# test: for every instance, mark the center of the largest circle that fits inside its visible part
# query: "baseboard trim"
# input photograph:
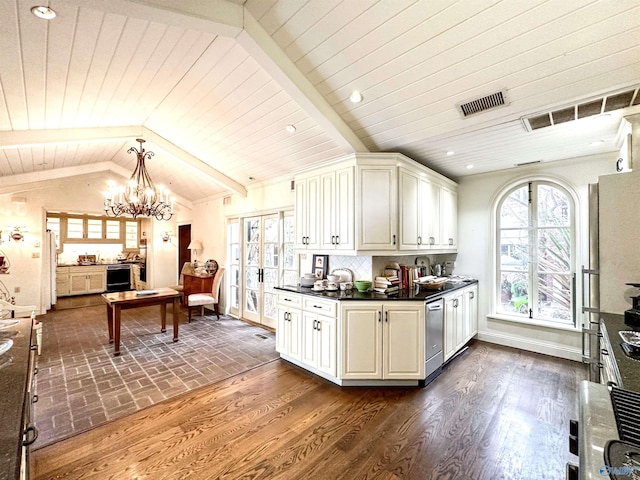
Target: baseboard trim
(532, 345)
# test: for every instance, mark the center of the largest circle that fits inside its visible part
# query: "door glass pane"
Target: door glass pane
(289, 267)
(233, 235)
(252, 302)
(270, 309)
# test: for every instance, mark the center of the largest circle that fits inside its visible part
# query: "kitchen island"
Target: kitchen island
(368, 338)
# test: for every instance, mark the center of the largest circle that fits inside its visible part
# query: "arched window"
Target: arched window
(536, 256)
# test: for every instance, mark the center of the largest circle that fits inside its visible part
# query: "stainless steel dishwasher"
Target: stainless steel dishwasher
(434, 357)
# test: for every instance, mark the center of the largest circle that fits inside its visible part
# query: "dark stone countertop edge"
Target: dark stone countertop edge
(629, 368)
(13, 378)
(417, 294)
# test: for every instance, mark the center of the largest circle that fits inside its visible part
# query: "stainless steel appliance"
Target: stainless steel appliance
(118, 278)
(607, 416)
(434, 357)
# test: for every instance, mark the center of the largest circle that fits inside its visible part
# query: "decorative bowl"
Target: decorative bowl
(334, 278)
(362, 285)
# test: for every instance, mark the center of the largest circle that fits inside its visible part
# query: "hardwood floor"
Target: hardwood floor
(495, 413)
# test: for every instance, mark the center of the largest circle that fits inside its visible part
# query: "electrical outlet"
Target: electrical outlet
(36, 244)
(16, 290)
(35, 255)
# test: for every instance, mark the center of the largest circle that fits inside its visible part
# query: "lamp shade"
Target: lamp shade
(195, 245)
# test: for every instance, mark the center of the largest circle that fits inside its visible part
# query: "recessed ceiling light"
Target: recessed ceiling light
(43, 12)
(596, 143)
(290, 128)
(355, 97)
(450, 152)
(469, 167)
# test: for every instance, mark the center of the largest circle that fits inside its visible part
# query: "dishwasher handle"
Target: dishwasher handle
(434, 306)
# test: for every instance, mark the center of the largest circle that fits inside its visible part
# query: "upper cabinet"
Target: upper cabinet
(380, 203)
(337, 209)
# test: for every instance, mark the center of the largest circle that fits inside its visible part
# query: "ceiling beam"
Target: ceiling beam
(30, 138)
(175, 151)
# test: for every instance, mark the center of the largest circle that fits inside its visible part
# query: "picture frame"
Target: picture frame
(320, 266)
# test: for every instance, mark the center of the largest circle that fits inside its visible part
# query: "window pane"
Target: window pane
(554, 297)
(553, 207)
(131, 232)
(514, 296)
(75, 228)
(53, 224)
(514, 250)
(515, 209)
(94, 228)
(554, 250)
(113, 229)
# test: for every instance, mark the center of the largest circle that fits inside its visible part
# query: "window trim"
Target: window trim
(576, 247)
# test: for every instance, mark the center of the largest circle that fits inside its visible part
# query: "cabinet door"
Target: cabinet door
(470, 312)
(344, 209)
(409, 185)
(309, 343)
(450, 325)
(430, 214)
(326, 344)
(403, 341)
(327, 211)
(307, 206)
(96, 282)
(449, 218)
(288, 339)
(77, 283)
(361, 341)
(377, 207)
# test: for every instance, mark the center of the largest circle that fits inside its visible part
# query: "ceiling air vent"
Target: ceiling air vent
(584, 108)
(488, 102)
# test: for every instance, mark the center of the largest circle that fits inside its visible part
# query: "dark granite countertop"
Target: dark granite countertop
(13, 378)
(629, 368)
(418, 294)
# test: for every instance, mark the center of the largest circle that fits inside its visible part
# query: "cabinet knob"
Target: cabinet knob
(379, 316)
(419, 240)
(394, 239)
(432, 241)
(337, 239)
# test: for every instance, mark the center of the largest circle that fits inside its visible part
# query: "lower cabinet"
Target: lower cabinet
(288, 324)
(80, 280)
(460, 319)
(382, 341)
(319, 342)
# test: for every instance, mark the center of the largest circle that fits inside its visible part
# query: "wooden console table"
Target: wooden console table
(118, 301)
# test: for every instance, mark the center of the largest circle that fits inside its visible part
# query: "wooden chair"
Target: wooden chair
(208, 294)
(188, 269)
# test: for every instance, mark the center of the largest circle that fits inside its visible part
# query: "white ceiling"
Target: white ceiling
(211, 85)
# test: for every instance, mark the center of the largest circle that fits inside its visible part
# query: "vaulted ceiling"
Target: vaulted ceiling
(212, 85)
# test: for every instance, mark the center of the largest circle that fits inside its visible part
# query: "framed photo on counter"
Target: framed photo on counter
(320, 265)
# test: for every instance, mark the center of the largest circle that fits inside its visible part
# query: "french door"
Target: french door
(261, 267)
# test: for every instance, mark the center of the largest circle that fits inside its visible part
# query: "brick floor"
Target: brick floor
(81, 384)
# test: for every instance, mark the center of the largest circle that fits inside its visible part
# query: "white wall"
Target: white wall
(476, 198)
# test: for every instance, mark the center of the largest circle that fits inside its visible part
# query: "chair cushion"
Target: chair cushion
(197, 299)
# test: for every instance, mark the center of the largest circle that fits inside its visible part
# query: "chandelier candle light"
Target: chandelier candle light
(140, 196)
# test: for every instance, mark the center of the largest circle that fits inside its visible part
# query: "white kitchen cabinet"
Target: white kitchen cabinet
(319, 342)
(337, 226)
(307, 207)
(288, 325)
(382, 341)
(460, 319)
(84, 280)
(419, 211)
(377, 211)
(449, 218)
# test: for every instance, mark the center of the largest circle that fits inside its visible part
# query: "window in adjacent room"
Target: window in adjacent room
(535, 264)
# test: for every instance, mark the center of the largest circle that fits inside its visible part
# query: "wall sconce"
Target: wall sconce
(166, 236)
(17, 233)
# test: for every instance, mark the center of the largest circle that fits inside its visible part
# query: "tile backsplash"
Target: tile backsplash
(361, 266)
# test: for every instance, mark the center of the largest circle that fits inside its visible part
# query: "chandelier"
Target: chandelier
(139, 196)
